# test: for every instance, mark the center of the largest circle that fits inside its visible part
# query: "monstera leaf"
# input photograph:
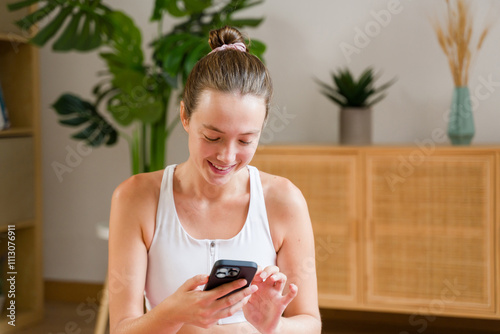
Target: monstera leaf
(179, 8)
(86, 29)
(76, 112)
(134, 98)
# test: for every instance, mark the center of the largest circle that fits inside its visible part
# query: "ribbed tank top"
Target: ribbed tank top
(175, 256)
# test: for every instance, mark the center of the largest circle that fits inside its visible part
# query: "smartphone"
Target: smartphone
(225, 271)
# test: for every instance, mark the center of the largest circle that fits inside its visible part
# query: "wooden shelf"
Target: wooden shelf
(18, 225)
(16, 132)
(20, 172)
(12, 38)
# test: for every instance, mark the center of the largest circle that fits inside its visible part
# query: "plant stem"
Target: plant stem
(134, 151)
(144, 158)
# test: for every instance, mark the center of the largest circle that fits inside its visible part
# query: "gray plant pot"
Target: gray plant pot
(355, 126)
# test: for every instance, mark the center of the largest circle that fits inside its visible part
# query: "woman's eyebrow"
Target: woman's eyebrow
(213, 128)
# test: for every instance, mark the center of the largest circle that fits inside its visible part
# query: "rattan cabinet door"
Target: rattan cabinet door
(430, 231)
(328, 183)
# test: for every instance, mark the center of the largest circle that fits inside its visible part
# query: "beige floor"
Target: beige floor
(64, 317)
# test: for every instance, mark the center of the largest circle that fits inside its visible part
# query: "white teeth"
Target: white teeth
(220, 168)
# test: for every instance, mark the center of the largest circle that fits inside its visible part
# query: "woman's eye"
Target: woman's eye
(245, 142)
(210, 139)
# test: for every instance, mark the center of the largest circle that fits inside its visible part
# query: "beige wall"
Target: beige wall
(304, 41)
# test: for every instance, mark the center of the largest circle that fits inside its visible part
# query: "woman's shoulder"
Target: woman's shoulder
(134, 204)
(139, 187)
(280, 192)
(286, 208)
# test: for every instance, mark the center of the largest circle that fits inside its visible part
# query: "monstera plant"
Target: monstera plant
(131, 93)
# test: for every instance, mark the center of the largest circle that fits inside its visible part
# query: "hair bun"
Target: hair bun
(225, 35)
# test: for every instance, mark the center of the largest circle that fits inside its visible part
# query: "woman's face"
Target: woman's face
(224, 131)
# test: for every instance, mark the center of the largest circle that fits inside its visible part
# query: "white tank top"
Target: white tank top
(175, 256)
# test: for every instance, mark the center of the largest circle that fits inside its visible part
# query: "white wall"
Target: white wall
(304, 41)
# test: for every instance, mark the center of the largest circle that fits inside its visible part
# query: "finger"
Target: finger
(194, 282)
(234, 307)
(277, 281)
(292, 293)
(257, 278)
(268, 271)
(224, 289)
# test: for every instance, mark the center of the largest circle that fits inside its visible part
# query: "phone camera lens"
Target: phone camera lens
(233, 272)
(221, 273)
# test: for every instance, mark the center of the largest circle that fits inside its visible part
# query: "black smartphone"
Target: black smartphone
(225, 271)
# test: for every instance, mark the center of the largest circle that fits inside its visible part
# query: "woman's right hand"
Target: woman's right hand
(204, 308)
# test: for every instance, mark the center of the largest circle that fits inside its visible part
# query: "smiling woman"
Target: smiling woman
(168, 228)
(223, 133)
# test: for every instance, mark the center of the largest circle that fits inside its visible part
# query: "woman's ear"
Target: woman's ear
(184, 117)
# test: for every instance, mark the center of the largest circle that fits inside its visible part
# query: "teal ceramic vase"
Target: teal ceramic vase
(461, 121)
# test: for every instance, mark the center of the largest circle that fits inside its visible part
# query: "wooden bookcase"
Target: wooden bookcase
(20, 176)
(401, 229)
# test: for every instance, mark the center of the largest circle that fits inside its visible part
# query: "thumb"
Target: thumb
(194, 282)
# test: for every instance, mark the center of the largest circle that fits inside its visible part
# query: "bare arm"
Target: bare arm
(131, 207)
(291, 228)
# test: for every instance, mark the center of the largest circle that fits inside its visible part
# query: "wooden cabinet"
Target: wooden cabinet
(401, 229)
(20, 179)
(333, 209)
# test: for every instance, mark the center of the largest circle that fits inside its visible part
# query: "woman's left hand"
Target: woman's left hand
(267, 304)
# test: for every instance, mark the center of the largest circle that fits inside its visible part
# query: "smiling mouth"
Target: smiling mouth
(220, 167)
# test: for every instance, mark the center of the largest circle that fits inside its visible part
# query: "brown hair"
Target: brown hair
(228, 70)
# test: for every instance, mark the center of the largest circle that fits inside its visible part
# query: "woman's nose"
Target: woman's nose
(226, 153)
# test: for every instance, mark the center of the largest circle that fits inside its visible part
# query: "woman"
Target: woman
(167, 228)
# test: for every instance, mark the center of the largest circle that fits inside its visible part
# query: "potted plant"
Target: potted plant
(135, 92)
(355, 98)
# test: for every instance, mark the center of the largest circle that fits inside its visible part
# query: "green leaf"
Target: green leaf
(87, 132)
(257, 48)
(194, 55)
(174, 10)
(126, 41)
(237, 5)
(112, 138)
(29, 20)
(67, 39)
(96, 139)
(376, 100)
(337, 99)
(82, 43)
(197, 6)
(239, 23)
(120, 110)
(69, 104)
(126, 108)
(95, 25)
(355, 92)
(159, 7)
(74, 121)
(129, 81)
(51, 29)
(173, 61)
(75, 112)
(21, 4)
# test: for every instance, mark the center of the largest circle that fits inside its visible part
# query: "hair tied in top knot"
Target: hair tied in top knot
(235, 46)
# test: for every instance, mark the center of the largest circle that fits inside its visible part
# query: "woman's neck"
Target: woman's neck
(189, 181)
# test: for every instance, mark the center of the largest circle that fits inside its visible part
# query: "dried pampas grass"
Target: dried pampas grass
(455, 36)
